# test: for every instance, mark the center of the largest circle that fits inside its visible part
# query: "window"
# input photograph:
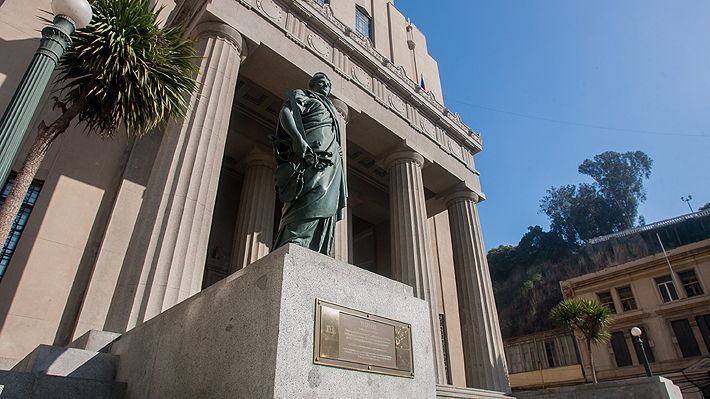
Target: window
(686, 340)
(646, 347)
(627, 299)
(667, 289)
(442, 326)
(704, 325)
(690, 283)
(363, 25)
(20, 221)
(621, 349)
(550, 353)
(606, 299)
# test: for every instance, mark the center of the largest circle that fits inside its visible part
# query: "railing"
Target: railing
(651, 226)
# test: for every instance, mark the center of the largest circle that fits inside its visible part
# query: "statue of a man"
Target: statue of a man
(310, 176)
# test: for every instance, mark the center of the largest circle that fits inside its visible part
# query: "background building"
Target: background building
(121, 231)
(667, 298)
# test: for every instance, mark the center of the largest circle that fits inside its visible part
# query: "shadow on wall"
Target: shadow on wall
(17, 55)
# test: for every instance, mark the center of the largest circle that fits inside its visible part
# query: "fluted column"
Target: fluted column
(482, 343)
(412, 260)
(165, 260)
(341, 246)
(255, 223)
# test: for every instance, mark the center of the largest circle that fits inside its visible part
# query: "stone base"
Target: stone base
(634, 388)
(17, 385)
(251, 336)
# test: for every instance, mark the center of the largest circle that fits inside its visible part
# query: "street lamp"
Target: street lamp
(688, 201)
(69, 15)
(636, 332)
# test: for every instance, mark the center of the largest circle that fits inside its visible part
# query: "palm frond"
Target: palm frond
(130, 70)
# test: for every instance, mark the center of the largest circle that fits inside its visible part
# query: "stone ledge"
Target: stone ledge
(450, 391)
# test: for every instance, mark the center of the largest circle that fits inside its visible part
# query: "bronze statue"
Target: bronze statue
(310, 176)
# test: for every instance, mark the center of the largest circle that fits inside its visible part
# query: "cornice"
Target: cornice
(619, 320)
(683, 307)
(637, 266)
(315, 28)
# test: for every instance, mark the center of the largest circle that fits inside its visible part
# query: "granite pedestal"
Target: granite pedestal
(252, 336)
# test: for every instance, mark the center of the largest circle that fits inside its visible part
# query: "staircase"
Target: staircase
(84, 369)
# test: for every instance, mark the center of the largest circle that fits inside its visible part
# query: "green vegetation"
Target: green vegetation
(588, 317)
(610, 204)
(123, 69)
(526, 276)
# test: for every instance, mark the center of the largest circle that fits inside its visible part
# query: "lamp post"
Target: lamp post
(69, 15)
(636, 332)
(688, 202)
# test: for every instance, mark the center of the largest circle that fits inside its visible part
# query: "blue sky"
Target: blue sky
(548, 84)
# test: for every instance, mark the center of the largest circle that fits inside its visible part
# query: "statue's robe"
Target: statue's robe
(314, 195)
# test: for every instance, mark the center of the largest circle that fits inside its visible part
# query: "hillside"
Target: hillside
(526, 292)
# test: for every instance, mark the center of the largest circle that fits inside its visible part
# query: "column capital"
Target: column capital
(219, 29)
(259, 158)
(461, 195)
(342, 108)
(404, 156)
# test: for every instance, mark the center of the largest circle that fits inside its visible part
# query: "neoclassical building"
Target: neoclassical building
(122, 230)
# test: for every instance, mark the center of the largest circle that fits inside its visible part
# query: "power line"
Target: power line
(578, 124)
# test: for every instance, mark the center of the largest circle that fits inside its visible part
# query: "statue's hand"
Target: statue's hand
(304, 151)
(299, 148)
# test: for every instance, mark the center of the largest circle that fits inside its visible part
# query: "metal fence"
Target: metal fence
(662, 223)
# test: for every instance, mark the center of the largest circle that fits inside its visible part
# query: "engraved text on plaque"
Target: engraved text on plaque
(350, 338)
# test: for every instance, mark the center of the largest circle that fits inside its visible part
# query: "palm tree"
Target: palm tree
(588, 317)
(123, 69)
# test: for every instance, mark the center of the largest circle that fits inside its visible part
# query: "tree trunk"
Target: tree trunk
(23, 180)
(591, 360)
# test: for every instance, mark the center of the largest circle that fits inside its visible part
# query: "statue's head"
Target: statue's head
(320, 83)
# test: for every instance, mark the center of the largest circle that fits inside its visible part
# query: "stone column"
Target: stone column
(341, 247)
(482, 343)
(255, 223)
(412, 260)
(165, 260)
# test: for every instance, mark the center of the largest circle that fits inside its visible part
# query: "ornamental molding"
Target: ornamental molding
(313, 26)
(270, 9)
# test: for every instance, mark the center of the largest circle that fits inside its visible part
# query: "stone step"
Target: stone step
(69, 362)
(94, 340)
(450, 391)
(19, 385)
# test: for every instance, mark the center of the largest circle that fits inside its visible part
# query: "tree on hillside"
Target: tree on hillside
(620, 179)
(123, 69)
(535, 246)
(588, 317)
(610, 204)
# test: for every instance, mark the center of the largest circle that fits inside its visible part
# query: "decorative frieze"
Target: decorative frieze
(361, 76)
(379, 90)
(271, 10)
(320, 46)
(354, 58)
(427, 127)
(296, 29)
(397, 104)
(341, 62)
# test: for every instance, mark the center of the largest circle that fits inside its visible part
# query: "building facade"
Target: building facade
(667, 298)
(123, 230)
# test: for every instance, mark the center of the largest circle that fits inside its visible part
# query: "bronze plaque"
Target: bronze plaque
(353, 339)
